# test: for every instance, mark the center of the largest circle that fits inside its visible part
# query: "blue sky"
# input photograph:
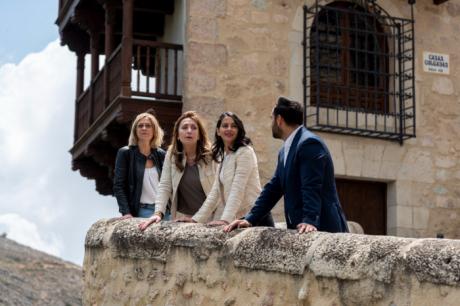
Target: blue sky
(26, 26)
(43, 204)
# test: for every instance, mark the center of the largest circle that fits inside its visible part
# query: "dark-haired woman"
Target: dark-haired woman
(237, 182)
(188, 172)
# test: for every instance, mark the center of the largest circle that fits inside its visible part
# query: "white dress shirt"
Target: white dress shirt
(288, 143)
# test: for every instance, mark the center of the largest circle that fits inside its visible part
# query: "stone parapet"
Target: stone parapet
(191, 264)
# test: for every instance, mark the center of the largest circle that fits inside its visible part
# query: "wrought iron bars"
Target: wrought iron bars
(359, 71)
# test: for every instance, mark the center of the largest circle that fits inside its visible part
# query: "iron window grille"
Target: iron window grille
(359, 70)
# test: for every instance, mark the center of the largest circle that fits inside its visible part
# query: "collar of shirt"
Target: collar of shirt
(288, 143)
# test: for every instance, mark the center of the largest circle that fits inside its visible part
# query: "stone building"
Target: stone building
(378, 79)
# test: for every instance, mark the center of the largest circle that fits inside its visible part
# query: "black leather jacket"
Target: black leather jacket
(129, 175)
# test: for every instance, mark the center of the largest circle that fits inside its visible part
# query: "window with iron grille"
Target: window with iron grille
(359, 70)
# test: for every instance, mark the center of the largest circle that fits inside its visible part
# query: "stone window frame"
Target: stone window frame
(358, 88)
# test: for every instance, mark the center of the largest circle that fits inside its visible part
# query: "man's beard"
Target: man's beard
(276, 131)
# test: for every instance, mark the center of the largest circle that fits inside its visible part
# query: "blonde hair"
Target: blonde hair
(203, 146)
(158, 133)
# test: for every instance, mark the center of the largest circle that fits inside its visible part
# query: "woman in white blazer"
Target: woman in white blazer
(188, 170)
(237, 182)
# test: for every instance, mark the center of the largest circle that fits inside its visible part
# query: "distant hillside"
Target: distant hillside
(31, 277)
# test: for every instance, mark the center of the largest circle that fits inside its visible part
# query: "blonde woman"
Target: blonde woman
(188, 172)
(138, 168)
(237, 183)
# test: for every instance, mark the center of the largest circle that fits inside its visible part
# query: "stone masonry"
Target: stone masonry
(191, 264)
(240, 55)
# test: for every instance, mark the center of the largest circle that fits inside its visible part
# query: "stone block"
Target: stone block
(295, 37)
(278, 66)
(421, 216)
(208, 55)
(210, 8)
(453, 9)
(457, 175)
(259, 86)
(236, 45)
(389, 170)
(353, 155)
(443, 86)
(404, 216)
(201, 82)
(233, 90)
(442, 175)
(426, 141)
(209, 107)
(249, 64)
(297, 21)
(259, 4)
(391, 194)
(280, 19)
(404, 232)
(392, 217)
(373, 152)
(260, 17)
(335, 148)
(239, 15)
(202, 29)
(443, 202)
(440, 190)
(404, 194)
(393, 152)
(371, 169)
(445, 162)
(417, 166)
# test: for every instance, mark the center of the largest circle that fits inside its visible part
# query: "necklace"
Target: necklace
(190, 160)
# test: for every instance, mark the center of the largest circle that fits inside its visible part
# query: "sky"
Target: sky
(43, 203)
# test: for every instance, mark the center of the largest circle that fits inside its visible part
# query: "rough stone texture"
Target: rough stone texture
(191, 264)
(242, 54)
(30, 277)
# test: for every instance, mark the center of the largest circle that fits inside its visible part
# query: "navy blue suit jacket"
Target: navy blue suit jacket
(308, 185)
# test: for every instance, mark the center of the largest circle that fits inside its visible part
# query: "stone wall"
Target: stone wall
(242, 54)
(191, 264)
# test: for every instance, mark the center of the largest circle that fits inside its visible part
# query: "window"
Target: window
(359, 70)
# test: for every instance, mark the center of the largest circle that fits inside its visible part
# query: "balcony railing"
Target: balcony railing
(156, 73)
(156, 70)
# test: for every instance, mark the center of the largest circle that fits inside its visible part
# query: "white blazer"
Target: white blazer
(239, 189)
(170, 179)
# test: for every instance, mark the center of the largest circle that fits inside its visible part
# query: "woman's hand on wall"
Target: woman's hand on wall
(153, 219)
(185, 219)
(127, 216)
(217, 223)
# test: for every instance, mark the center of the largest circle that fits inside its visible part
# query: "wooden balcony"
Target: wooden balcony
(139, 73)
(103, 114)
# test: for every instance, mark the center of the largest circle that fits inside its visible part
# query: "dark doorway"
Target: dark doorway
(364, 202)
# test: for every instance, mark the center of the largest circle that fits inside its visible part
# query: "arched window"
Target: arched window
(359, 70)
(349, 50)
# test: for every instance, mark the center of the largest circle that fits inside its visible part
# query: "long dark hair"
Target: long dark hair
(240, 141)
(203, 147)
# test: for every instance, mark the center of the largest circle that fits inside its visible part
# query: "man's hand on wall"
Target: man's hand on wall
(305, 228)
(237, 224)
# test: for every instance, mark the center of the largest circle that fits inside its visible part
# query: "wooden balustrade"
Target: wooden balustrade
(113, 67)
(157, 70)
(156, 74)
(83, 110)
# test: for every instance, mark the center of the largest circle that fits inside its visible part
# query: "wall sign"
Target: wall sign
(436, 62)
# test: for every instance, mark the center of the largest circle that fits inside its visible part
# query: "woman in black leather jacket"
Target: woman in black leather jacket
(138, 168)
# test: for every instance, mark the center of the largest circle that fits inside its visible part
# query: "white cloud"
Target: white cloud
(36, 131)
(31, 97)
(26, 232)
